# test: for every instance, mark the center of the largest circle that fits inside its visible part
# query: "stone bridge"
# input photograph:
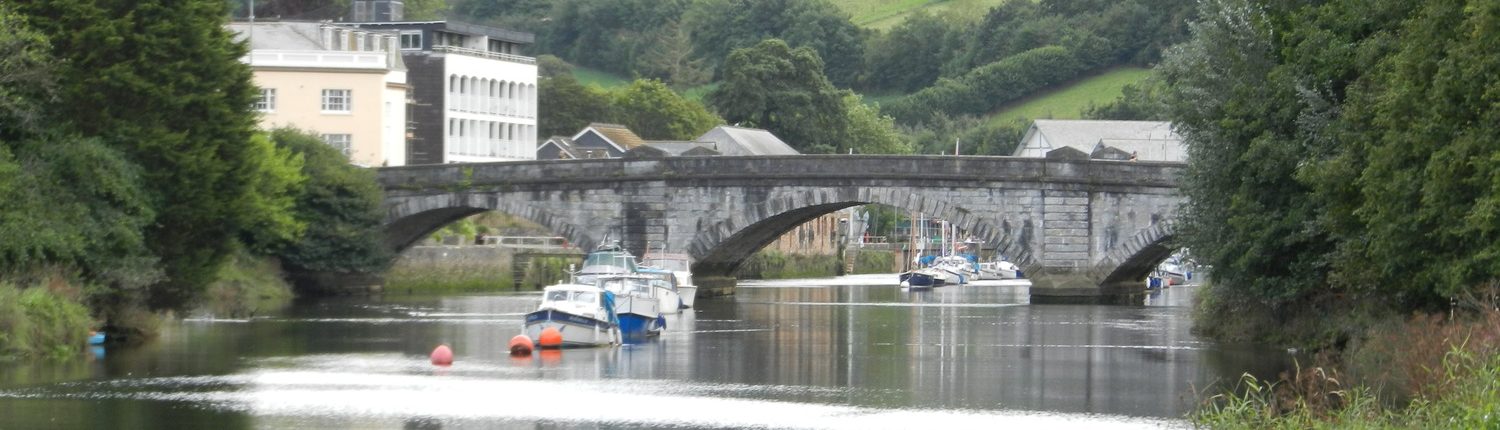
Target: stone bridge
(1081, 229)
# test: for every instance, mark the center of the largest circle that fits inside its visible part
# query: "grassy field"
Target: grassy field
(1068, 102)
(884, 14)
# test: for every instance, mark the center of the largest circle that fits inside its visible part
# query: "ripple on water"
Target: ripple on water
(355, 395)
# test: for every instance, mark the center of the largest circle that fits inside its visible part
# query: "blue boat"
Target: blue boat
(636, 304)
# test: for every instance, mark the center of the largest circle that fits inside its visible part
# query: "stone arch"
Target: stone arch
(413, 218)
(1134, 259)
(720, 248)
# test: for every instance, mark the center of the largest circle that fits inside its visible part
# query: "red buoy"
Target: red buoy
(550, 338)
(520, 345)
(442, 356)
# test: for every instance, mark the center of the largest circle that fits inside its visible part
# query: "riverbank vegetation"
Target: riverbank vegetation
(41, 321)
(134, 176)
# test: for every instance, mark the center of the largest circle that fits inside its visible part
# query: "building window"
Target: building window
(341, 142)
(267, 102)
(336, 100)
(411, 40)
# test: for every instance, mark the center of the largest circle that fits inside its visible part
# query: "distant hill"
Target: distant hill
(1068, 102)
(884, 14)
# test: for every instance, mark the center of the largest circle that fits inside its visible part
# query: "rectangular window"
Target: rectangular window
(267, 102)
(337, 100)
(341, 142)
(411, 40)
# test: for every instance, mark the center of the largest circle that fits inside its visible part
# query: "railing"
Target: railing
(344, 59)
(527, 241)
(484, 54)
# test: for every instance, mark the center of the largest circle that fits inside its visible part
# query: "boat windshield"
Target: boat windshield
(627, 286)
(557, 296)
(669, 264)
(585, 297)
(611, 259)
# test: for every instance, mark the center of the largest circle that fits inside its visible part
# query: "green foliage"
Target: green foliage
(975, 136)
(247, 285)
(25, 75)
(543, 271)
(653, 111)
(1140, 100)
(564, 106)
(276, 177)
(986, 88)
(339, 204)
(773, 264)
(910, 56)
(720, 27)
(162, 82)
(871, 261)
(782, 90)
(37, 321)
(1074, 99)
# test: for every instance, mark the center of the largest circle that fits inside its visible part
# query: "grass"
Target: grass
(38, 321)
(884, 14)
(773, 264)
(1426, 372)
(1068, 102)
(248, 285)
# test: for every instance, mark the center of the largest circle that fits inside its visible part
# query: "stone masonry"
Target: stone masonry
(1080, 228)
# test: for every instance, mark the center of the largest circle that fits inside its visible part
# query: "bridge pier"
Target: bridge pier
(1079, 288)
(714, 286)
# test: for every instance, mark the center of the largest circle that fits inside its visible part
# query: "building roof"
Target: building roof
(1151, 140)
(678, 148)
(458, 27)
(746, 141)
(564, 146)
(619, 136)
(281, 35)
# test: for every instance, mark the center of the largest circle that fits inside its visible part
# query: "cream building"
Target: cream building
(345, 84)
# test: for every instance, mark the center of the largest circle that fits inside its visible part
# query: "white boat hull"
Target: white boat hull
(669, 301)
(576, 330)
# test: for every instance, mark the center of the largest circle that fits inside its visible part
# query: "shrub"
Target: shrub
(37, 321)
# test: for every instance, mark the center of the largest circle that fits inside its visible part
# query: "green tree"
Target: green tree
(653, 111)
(719, 27)
(565, 106)
(162, 82)
(1413, 186)
(339, 204)
(869, 132)
(783, 90)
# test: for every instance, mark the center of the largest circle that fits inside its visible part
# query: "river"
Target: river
(851, 352)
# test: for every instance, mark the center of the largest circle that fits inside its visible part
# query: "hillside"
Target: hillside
(1068, 102)
(884, 14)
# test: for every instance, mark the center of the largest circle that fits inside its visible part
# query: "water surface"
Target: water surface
(850, 352)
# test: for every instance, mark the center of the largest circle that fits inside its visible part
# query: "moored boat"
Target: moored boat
(665, 284)
(606, 260)
(583, 314)
(636, 304)
(921, 279)
(681, 267)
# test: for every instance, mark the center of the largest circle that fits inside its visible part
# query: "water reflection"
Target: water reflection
(794, 354)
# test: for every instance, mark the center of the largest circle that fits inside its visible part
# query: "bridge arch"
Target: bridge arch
(414, 219)
(723, 246)
(1133, 260)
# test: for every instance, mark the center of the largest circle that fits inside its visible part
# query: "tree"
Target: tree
(339, 204)
(566, 106)
(654, 111)
(782, 90)
(719, 27)
(162, 82)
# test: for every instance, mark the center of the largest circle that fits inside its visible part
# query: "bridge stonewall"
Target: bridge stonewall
(1083, 230)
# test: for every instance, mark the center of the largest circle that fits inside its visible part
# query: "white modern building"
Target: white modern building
(346, 84)
(474, 94)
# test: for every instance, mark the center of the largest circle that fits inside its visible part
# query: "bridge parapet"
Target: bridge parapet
(1060, 219)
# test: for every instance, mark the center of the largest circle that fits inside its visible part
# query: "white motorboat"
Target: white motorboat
(605, 260)
(681, 266)
(636, 305)
(583, 314)
(1001, 269)
(665, 284)
(958, 265)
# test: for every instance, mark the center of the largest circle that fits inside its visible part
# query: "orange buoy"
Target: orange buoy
(442, 356)
(520, 345)
(550, 338)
